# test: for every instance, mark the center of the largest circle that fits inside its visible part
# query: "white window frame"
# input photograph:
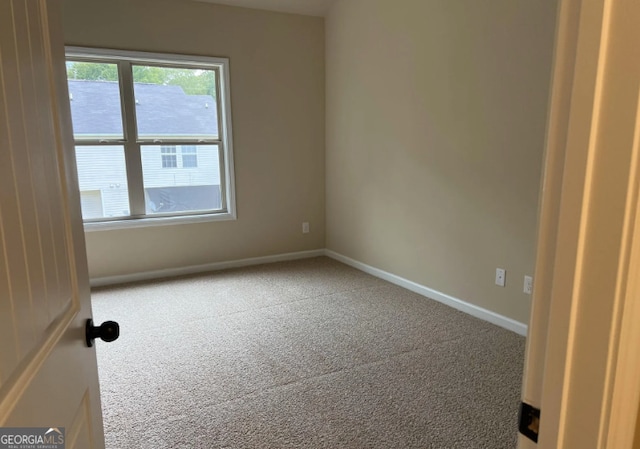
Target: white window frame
(132, 144)
(165, 155)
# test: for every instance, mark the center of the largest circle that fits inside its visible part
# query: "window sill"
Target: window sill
(156, 221)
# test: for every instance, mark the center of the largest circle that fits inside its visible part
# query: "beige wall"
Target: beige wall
(435, 129)
(436, 117)
(277, 90)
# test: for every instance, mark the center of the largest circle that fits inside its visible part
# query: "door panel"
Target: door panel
(48, 377)
(79, 435)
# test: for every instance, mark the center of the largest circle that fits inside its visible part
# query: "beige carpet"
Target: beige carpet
(303, 354)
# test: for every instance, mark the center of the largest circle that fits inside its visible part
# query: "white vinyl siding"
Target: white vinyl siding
(102, 169)
(157, 175)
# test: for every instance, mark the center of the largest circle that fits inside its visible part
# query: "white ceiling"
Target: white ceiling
(306, 7)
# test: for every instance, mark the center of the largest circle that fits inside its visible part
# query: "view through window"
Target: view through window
(152, 135)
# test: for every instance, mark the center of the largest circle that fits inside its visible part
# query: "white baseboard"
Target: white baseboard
(456, 303)
(193, 269)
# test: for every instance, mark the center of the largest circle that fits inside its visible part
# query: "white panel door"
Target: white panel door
(48, 376)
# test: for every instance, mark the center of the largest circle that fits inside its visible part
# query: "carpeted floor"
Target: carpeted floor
(302, 354)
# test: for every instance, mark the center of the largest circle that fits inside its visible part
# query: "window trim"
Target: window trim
(125, 59)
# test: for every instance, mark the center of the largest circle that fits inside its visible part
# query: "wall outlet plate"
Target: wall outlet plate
(528, 285)
(305, 227)
(501, 277)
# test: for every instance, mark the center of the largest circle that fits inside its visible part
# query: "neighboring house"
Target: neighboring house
(176, 177)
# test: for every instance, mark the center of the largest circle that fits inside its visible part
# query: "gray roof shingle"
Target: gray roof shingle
(160, 110)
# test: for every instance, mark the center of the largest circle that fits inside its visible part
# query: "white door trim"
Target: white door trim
(582, 358)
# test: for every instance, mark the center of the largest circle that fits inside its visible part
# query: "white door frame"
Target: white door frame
(582, 366)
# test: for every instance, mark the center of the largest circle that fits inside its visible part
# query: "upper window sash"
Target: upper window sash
(125, 60)
(167, 60)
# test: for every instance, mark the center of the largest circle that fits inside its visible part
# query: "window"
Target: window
(152, 135)
(189, 156)
(169, 158)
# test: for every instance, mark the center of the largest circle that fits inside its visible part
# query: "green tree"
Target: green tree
(92, 71)
(192, 81)
(149, 75)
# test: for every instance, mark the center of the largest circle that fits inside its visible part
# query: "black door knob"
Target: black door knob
(107, 331)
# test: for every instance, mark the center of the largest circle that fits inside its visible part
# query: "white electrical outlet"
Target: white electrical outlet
(528, 285)
(305, 227)
(501, 277)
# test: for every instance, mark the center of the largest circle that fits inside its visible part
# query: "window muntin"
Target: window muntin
(195, 86)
